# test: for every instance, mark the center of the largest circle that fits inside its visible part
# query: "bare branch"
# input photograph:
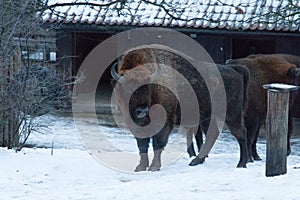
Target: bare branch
(28, 87)
(87, 3)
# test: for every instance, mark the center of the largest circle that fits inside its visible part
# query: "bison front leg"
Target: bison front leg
(144, 163)
(143, 145)
(156, 162)
(159, 142)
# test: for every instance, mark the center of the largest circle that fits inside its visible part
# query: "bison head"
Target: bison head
(294, 72)
(135, 85)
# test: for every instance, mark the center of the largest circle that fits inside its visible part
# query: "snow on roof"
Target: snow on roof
(228, 14)
(281, 86)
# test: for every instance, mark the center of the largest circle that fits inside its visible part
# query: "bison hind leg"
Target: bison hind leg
(190, 132)
(191, 150)
(255, 155)
(189, 141)
(257, 158)
(238, 130)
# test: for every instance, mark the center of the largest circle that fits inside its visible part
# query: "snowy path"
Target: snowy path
(72, 173)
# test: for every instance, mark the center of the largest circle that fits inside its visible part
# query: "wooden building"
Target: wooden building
(225, 28)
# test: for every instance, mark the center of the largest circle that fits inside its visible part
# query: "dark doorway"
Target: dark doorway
(244, 47)
(84, 44)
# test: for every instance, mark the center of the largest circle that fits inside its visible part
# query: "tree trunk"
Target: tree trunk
(9, 135)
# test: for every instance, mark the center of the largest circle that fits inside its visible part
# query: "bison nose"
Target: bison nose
(141, 111)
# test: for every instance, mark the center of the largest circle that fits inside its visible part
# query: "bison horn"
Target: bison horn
(114, 73)
(156, 73)
(228, 61)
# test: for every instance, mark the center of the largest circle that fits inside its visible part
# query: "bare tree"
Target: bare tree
(28, 86)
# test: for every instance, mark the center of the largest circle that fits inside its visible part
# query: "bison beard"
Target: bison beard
(235, 80)
(265, 69)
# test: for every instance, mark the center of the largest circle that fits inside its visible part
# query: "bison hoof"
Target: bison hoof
(241, 165)
(257, 158)
(154, 168)
(250, 160)
(197, 161)
(140, 168)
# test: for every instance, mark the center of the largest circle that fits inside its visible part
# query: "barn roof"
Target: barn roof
(268, 15)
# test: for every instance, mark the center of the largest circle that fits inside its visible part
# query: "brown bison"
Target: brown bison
(295, 110)
(265, 69)
(145, 63)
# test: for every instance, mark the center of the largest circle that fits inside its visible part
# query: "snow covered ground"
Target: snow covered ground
(69, 171)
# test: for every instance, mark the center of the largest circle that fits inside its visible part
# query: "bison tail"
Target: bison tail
(246, 78)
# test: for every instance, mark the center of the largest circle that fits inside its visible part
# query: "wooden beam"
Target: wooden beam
(277, 128)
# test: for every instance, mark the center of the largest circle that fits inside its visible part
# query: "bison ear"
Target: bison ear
(293, 72)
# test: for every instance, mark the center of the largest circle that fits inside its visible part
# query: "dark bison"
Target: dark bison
(235, 78)
(265, 69)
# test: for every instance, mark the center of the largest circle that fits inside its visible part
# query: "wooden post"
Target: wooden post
(277, 128)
